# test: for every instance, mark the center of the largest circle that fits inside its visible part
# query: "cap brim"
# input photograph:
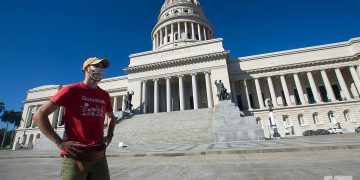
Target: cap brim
(105, 62)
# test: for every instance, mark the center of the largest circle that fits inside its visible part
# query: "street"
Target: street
(305, 165)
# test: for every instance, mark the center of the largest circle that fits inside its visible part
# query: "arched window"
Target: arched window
(347, 115)
(301, 119)
(168, 38)
(331, 116)
(258, 120)
(176, 36)
(176, 11)
(286, 120)
(186, 11)
(316, 118)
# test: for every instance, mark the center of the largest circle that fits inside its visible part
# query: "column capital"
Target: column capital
(193, 74)
(155, 80)
(168, 77)
(207, 72)
(180, 75)
(144, 81)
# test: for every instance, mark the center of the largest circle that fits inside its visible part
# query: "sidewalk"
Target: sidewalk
(313, 143)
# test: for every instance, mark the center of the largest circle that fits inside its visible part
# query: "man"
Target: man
(86, 105)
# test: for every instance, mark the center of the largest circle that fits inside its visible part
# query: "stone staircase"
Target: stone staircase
(191, 126)
(222, 123)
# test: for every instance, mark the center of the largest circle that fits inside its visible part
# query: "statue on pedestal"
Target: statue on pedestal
(222, 91)
(128, 98)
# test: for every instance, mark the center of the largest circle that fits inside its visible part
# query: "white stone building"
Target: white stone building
(311, 88)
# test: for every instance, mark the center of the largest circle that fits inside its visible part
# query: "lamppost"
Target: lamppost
(272, 119)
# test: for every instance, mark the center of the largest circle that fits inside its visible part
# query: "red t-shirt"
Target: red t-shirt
(84, 112)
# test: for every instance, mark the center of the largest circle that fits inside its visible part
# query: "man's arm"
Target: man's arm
(111, 128)
(42, 121)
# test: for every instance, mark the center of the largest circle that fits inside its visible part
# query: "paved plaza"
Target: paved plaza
(301, 158)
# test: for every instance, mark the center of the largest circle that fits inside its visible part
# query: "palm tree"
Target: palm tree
(12, 117)
(15, 119)
(5, 120)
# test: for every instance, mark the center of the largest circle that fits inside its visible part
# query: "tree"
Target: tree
(2, 107)
(12, 117)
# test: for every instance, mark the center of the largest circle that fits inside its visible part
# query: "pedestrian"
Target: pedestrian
(85, 107)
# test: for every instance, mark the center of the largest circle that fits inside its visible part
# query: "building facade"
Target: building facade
(310, 88)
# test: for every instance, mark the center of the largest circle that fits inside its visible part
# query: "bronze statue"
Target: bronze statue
(128, 98)
(222, 91)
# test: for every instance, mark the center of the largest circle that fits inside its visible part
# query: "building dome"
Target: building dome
(181, 22)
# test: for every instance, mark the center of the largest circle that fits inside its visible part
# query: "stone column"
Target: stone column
(342, 84)
(205, 33)
(179, 31)
(286, 90)
(168, 94)
(156, 95)
(272, 92)
(299, 89)
(195, 91)
(172, 33)
(186, 30)
(355, 78)
(156, 40)
(61, 114)
(313, 87)
(199, 32)
(192, 31)
(115, 104)
(259, 94)
(181, 93)
(154, 44)
(328, 87)
(358, 70)
(143, 102)
(123, 104)
(161, 37)
(166, 35)
(208, 90)
(247, 95)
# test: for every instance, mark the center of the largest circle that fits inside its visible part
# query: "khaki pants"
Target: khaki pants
(94, 170)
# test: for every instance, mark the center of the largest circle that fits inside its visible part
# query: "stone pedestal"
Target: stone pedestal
(229, 126)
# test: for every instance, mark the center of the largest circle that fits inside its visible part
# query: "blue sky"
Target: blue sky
(46, 42)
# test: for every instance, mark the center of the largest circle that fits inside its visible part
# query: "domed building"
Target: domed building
(175, 88)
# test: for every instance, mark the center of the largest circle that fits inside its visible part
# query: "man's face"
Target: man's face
(96, 71)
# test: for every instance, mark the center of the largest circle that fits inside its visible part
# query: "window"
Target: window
(297, 97)
(168, 38)
(301, 119)
(189, 36)
(316, 118)
(337, 93)
(331, 116)
(186, 11)
(176, 12)
(258, 121)
(310, 95)
(196, 37)
(251, 99)
(286, 121)
(347, 116)
(323, 94)
(176, 36)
